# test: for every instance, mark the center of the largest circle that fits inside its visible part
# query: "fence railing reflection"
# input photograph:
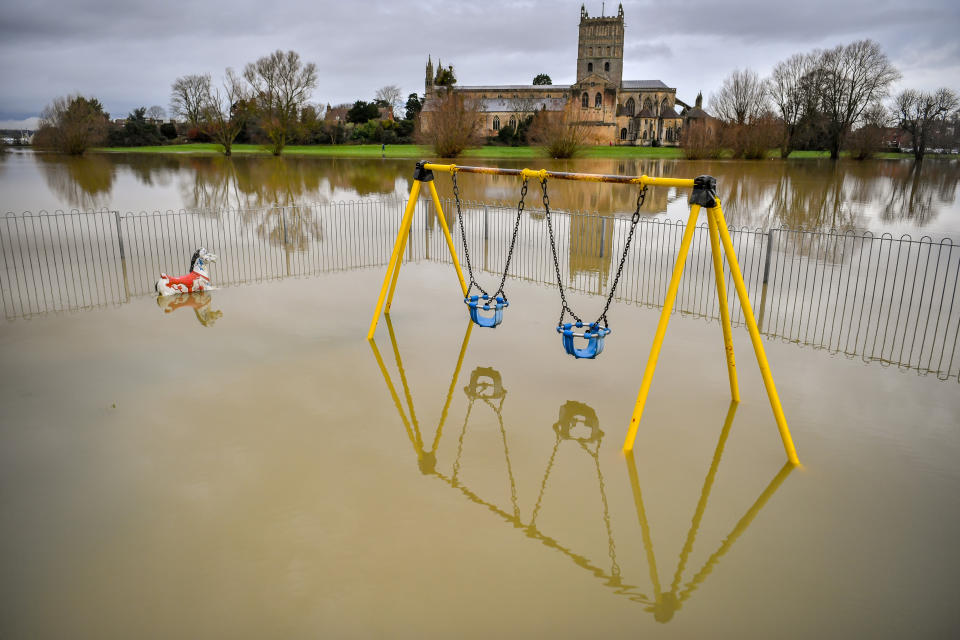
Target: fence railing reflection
(880, 298)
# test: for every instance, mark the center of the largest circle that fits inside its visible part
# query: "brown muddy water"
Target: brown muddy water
(880, 196)
(247, 465)
(244, 464)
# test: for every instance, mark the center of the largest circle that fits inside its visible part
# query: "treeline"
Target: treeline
(269, 103)
(828, 99)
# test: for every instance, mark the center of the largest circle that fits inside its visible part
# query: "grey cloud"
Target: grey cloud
(128, 52)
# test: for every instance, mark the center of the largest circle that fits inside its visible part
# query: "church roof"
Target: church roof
(646, 113)
(668, 112)
(514, 87)
(506, 104)
(696, 112)
(643, 84)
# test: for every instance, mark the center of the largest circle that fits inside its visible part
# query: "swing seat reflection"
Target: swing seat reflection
(577, 422)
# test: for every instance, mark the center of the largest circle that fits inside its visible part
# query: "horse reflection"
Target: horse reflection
(199, 301)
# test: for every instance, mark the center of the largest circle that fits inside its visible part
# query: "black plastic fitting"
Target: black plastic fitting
(704, 191)
(422, 174)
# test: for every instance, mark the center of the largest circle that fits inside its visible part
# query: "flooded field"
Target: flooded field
(880, 196)
(272, 472)
(243, 463)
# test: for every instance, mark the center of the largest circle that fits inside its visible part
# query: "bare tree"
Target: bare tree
(450, 123)
(391, 96)
(225, 111)
(187, 95)
(560, 135)
(741, 99)
(282, 85)
(523, 106)
(156, 112)
(789, 89)
(71, 124)
(855, 77)
(921, 114)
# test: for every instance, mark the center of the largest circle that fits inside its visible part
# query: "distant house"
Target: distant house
(695, 115)
(337, 113)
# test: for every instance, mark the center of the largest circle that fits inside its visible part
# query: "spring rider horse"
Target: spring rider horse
(197, 280)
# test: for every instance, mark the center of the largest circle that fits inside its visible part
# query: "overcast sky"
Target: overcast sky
(127, 52)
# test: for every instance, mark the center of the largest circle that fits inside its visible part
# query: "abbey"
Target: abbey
(612, 110)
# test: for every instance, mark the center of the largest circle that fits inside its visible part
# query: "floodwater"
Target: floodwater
(881, 196)
(245, 464)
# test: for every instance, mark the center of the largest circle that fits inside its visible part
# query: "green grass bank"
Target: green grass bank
(416, 151)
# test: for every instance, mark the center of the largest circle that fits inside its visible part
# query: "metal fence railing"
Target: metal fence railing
(880, 298)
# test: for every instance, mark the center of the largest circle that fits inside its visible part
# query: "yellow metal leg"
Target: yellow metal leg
(717, 213)
(446, 233)
(661, 327)
(405, 235)
(396, 256)
(724, 309)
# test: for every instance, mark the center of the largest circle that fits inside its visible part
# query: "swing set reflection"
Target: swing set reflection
(577, 423)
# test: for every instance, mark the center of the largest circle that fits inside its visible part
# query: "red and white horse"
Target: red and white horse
(197, 280)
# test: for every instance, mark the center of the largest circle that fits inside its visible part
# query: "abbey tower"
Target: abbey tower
(600, 47)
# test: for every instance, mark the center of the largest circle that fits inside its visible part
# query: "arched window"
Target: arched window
(589, 66)
(584, 100)
(513, 122)
(664, 105)
(606, 66)
(647, 104)
(623, 134)
(496, 123)
(598, 101)
(630, 107)
(644, 135)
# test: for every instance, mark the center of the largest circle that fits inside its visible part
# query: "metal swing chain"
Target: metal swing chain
(641, 197)
(565, 308)
(513, 241)
(463, 237)
(466, 249)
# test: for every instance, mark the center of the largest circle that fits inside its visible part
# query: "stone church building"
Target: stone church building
(612, 110)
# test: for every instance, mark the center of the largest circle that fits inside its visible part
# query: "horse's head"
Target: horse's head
(200, 259)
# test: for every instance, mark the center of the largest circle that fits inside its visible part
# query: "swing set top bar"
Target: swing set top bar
(563, 175)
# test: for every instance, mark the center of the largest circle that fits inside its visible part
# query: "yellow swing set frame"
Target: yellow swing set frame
(703, 196)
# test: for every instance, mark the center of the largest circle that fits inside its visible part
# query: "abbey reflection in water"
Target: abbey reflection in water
(577, 427)
(800, 194)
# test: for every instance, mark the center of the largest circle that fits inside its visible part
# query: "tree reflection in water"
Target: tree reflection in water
(806, 194)
(81, 182)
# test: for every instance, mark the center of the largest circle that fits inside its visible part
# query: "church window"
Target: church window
(585, 100)
(644, 135)
(606, 66)
(630, 107)
(513, 122)
(598, 101)
(589, 66)
(496, 123)
(623, 134)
